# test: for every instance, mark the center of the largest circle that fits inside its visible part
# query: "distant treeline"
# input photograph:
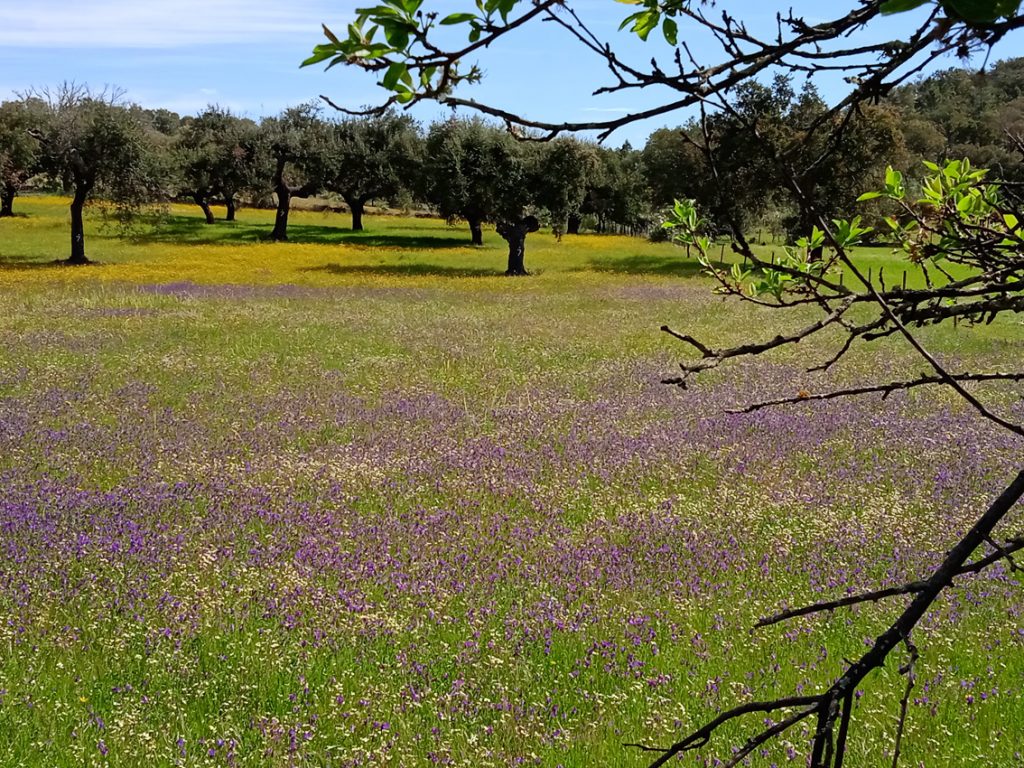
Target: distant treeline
(98, 145)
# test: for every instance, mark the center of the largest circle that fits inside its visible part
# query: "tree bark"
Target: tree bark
(572, 227)
(204, 205)
(356, 206)
(515, 234)
(284, 202)
(475, 230)
(229, 201)
(7, 200)
(78, 226)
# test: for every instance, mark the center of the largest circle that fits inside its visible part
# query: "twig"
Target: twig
(885, 389)
(908, 670)
(912, 587)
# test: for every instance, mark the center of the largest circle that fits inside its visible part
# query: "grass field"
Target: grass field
(358, 500)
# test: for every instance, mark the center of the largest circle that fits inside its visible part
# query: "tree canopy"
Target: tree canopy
(373, 157)
(90, 144)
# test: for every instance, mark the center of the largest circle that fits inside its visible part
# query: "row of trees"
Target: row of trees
(92, 145)
(473, 171)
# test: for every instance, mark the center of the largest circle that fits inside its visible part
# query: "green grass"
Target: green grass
(259, 490)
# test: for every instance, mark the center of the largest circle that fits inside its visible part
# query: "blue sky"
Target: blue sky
(244, 54)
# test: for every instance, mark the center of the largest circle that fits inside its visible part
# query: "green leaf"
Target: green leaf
(320, 53)
(868, 196)
(979, 11)
(900, 6)
(330, 35)
(457, 18)
(505, 8)
(646, 24)
(671, 30)
(397, 34)
(395, 71)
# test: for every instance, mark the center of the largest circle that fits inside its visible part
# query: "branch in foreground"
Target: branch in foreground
(885, 389)
(833, 704)
(911, 587)
(713, 358)
(702, 735)
(908, 670)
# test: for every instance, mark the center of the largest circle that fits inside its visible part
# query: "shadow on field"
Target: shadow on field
(370, 240)
(22, 262)
(648, 265)
(193, 230)
(405, 270)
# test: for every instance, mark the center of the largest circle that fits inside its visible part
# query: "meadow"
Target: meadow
(357, 500)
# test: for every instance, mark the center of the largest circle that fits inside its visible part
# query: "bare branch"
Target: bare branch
(713, 358)
(912, 587)
(908, 670)
(885, 389)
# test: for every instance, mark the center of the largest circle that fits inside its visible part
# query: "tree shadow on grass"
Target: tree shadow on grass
(191, 230)
(24, 262)
(675, 266)
(405, 270)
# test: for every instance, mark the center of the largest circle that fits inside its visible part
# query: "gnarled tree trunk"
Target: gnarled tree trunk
(229, 202)
(285, 193)
(284, 204)
(515, 233)
(572, 227)
(7, 194)
(475, 230)
(204, 205)
(77, 225)
(356, 206)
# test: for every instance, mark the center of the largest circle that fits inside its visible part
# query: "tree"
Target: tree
(371, 158)
(298, 143)
(673, 166)
(93, 145)
(961, 217)
(215, 153)
(19, 152)
(960, 113)
(471, 171)
(617, 192)
(562, 171)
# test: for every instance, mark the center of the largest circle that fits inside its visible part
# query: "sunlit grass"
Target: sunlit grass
(357, 499)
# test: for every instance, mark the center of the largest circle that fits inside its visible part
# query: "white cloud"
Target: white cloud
(160, 23)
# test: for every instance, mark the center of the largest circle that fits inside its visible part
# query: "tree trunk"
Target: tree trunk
(356, 206)
(515, 234)
(807, 222)
(284, 203)
(78, 226)
(475, 230)
(204, 205)
(7, 200)
(573, 225)
(229, 201)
